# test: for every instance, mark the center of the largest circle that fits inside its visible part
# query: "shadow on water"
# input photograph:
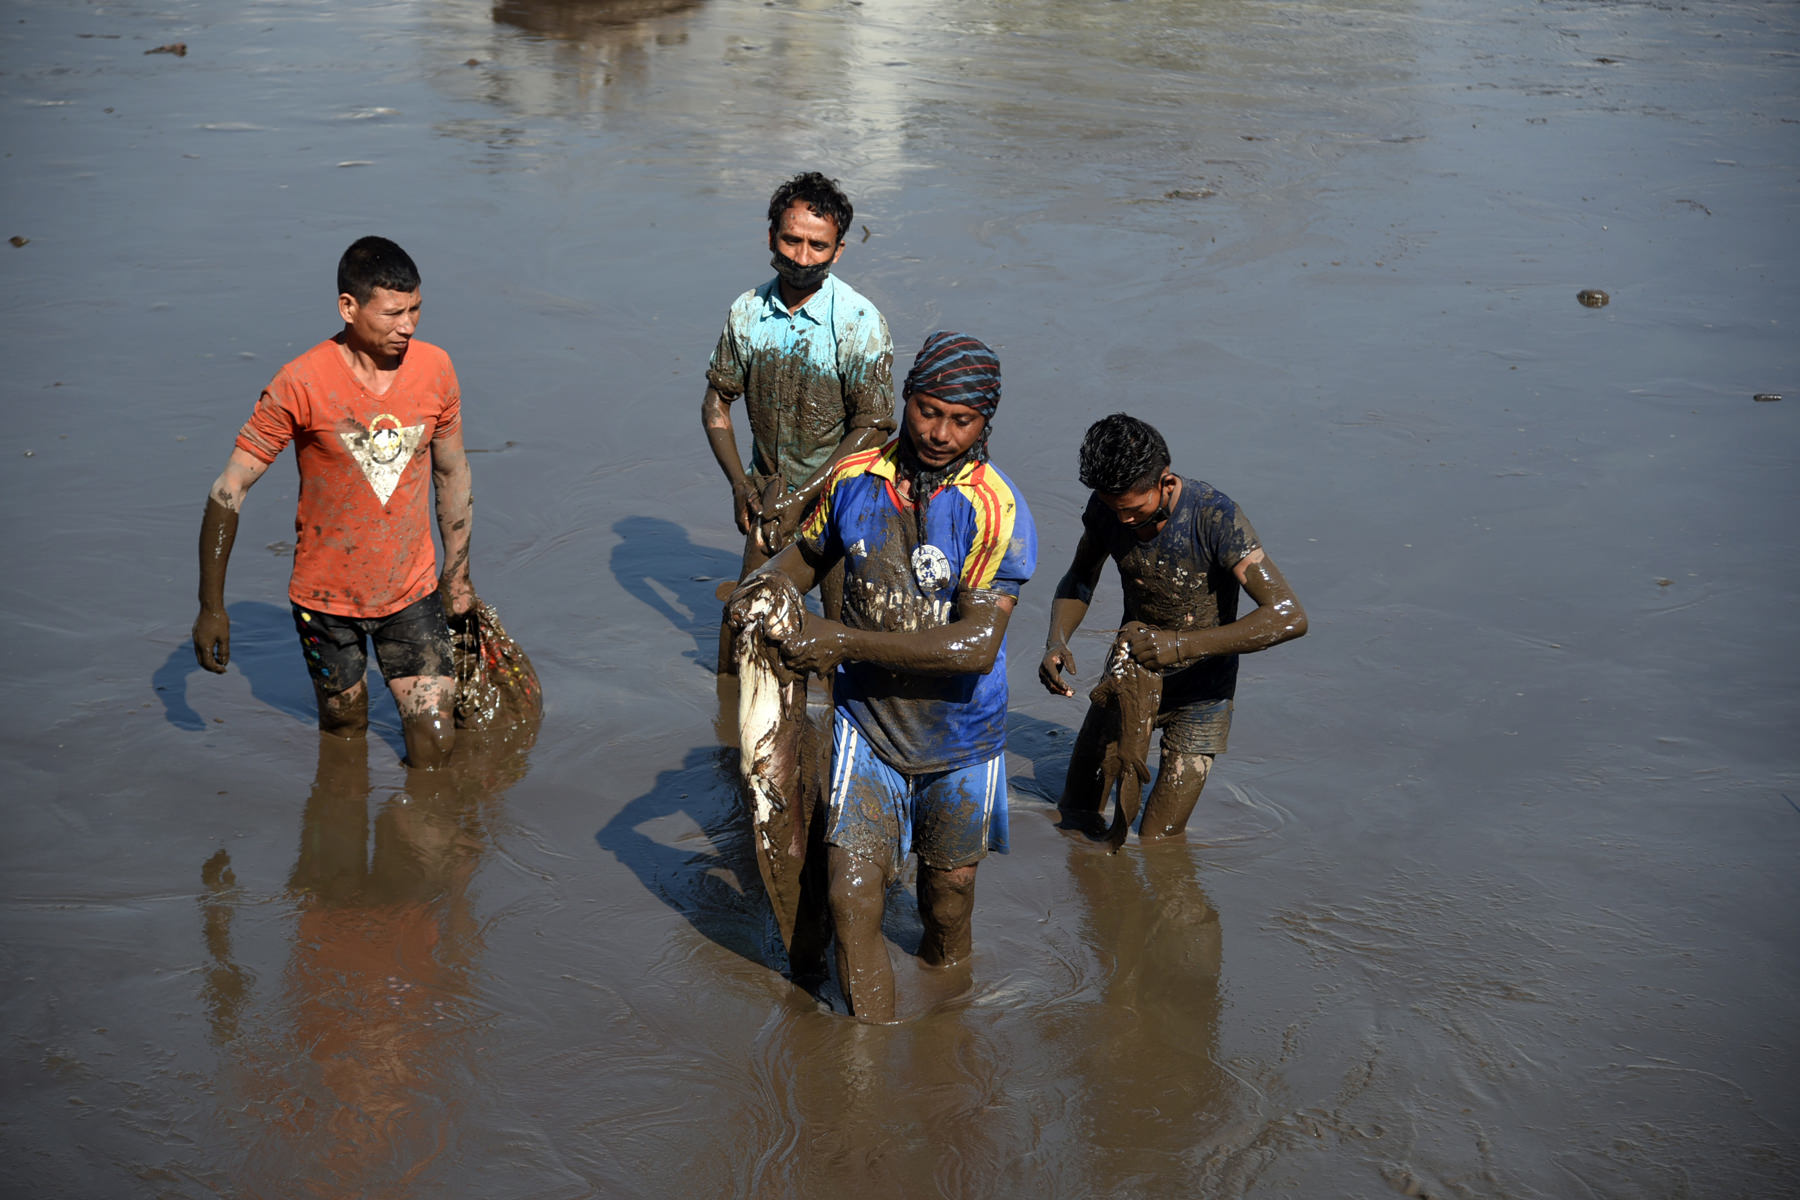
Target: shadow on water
(655, 562)
(352, 1072)
(713, 882)
(265, 649)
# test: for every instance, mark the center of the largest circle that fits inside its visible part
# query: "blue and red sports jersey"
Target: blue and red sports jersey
(979, 536)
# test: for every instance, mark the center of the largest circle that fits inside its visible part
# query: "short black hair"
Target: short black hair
(375, 262)
(1122, 454)
(818, 193)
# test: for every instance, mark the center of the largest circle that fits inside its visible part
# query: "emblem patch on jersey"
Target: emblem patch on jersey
(930, 567)
(383, 450)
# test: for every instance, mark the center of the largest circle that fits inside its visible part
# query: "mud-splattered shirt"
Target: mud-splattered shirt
(807, 377)
(979, 536)
(362, 545)
(1181, 578)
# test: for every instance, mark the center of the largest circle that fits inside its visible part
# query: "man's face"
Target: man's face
(806, 237)
(384, 324)
(940, 432)
(1141, 511)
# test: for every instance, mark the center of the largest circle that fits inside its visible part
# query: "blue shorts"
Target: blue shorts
(952, 818)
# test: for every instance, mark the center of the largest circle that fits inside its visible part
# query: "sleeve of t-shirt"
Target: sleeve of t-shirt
(450, 416)
(1227, 535)
(279, 414)
(818, 533)
(725, 372)
(1004, 552)
(866, 372)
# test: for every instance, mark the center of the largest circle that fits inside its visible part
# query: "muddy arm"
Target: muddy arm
(218, 530)
(968, 644)
(1278, 618)
(454, 483)
(791, 508)
(796, 563)
(715, 417)
(1074, 592)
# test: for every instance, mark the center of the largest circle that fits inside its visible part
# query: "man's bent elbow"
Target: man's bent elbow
(1294, 624)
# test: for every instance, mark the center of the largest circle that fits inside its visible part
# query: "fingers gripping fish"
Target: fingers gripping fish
(1130, 694)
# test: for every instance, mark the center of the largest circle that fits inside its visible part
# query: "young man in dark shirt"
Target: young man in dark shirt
(1184, 551)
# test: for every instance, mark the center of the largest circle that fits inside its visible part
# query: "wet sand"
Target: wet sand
(1494, 895)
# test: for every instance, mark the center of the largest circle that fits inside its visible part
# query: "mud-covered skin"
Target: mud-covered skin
(856, 887)
(780, 767)
(1128, 694)
(374, 350)
(1190, 644)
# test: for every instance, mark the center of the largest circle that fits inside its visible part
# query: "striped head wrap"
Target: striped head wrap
(957, 369)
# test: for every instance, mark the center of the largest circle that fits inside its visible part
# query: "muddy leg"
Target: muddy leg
(946, 903)
(1179, 779)
(1084, 789)
(858, 890)
(344, 714)
(427, 706)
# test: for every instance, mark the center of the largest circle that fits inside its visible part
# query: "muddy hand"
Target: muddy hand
(746, 505)
(769, 600)
(819, 646)
(457, 596)
(1057, 659)
(212, 639)
(1158, 649)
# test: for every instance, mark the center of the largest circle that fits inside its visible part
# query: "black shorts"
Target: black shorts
(413, 641)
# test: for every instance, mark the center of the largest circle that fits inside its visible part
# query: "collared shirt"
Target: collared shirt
(808, 376)
(979, 536)
(1182, 578)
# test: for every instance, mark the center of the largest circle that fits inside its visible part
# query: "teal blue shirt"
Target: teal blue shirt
(808, 377)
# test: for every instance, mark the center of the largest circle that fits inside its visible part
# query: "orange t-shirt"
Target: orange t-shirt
(362, 545)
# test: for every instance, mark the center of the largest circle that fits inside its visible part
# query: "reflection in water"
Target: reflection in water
(356, 1083)
(1156, 1092)
(584, 20)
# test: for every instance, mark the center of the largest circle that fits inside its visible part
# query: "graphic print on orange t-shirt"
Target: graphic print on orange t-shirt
(383, 450)
(362, 545)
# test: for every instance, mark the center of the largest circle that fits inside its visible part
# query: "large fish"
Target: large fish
(1130, 694)
(779, 764)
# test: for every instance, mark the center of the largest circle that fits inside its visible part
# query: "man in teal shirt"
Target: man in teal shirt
(813, 362)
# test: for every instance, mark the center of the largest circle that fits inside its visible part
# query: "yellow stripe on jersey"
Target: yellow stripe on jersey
(848, 466)
(995, 511)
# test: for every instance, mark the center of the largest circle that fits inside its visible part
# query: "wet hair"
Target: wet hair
(1122, 454)
(818, 193)
(375, 262)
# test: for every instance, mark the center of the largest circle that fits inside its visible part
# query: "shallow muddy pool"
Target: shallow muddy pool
(1494, 895)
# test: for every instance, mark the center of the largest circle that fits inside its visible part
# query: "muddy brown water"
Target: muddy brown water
(1495, 894)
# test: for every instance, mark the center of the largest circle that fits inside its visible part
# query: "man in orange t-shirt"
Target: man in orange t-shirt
(375, 418)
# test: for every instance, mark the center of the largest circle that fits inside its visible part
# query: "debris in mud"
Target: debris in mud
(17, 240)
(1608, 61)
(471, 62)
(866, 234)
(504, 446)
(178, 49)
(281, 547)
(1190, 194)
(1593, 298)
(1766, 397)
(1665, 583)
(1696, 204)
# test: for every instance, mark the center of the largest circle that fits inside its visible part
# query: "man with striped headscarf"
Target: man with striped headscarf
(936, 544)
